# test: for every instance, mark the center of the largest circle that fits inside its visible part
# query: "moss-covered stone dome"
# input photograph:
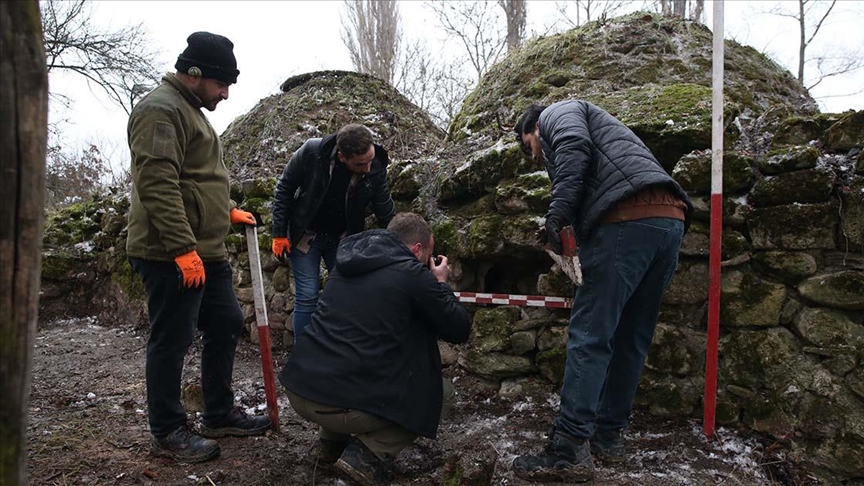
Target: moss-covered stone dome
(650, 71)
(259, 143)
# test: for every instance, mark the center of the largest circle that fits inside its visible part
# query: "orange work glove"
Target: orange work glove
(241, 217)
(191, 269)
(281, 248)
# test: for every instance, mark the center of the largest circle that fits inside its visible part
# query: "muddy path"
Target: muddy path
(88, 425)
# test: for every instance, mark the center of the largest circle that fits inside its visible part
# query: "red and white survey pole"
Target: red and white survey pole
(716, 237)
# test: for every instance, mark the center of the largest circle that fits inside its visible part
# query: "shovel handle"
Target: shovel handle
(568, 241)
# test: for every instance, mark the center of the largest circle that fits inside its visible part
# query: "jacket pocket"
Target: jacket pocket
(194, 207)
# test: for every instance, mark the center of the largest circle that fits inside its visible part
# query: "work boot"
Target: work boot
(184, 446)
(564, 459)
(235, 423)
(362, 465)
(608, 445)
(326, 452)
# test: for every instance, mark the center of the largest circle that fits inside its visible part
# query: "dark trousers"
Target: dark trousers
(174, 315)
(625, 267)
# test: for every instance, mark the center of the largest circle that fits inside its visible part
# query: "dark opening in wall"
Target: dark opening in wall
(514, 276)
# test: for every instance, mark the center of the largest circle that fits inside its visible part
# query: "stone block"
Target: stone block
(800, 186)
(788, 159)
(841, 290)
(787, 266)
(522, 342)
(748, 300)
(492, 328)
(496, 366)
(794, 227)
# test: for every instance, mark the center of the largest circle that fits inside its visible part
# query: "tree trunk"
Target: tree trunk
(516, 12)
(666, 7)
(698, 8)
(803, 42)
(679, 8)
(23, 132)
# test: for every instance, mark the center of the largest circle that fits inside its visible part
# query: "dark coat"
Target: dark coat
(594, 161)
(372, 344)
(304, 183)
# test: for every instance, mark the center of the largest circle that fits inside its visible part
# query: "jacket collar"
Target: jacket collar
(175, 83)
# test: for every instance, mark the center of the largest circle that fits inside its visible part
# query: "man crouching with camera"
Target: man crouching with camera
(367, 369)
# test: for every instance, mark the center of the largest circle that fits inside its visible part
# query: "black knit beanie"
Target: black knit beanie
(209, 56)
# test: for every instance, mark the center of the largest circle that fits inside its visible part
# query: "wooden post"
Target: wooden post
(716, 231)
(23, 135)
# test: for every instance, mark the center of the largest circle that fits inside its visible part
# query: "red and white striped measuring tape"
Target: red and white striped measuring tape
(514, 299)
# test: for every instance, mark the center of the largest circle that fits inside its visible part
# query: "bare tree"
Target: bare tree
(23, 121)
(120, 62)
(516, 13)
(810, 17)
(476, 25)
(371, 32)
(680, 8)
(588, 10)
(434, 84)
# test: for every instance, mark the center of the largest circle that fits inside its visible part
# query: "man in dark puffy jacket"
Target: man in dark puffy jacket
(322, 196)
(630, 217)
(367, 369)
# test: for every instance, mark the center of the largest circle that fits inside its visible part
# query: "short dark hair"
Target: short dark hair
(411, 228)
(527, 124)
(353, 139)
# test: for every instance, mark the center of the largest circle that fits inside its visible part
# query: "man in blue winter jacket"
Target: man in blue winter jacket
(629, 216)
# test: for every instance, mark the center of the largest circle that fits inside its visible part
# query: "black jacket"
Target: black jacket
(372, 344)
(594, 161)
(304, 183)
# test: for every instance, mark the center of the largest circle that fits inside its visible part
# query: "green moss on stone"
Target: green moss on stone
(747, 300)
(444, 230)
(693, 172)
(841, 290)
(788, 159)
(57, 265)
(800, 186)
(846, 133)
(263, 188)
(790, 267)
(492, 328)
(551, 364)
(793, 226)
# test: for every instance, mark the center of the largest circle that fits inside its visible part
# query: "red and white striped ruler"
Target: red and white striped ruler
(512, 299)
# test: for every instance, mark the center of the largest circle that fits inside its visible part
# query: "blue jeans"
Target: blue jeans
(174, 315)
(625, 267)
(307, 277)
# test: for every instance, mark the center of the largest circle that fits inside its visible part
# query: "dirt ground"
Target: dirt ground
(88, 425)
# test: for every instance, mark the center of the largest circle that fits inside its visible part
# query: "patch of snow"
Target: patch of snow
(522, 406)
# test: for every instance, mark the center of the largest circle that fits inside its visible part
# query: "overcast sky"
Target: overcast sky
(276, 40)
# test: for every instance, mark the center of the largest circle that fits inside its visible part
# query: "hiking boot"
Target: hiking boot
(362, 465)
(235, 423)
(184, 446)
(326, 452)
(564, 459)
(608, 445)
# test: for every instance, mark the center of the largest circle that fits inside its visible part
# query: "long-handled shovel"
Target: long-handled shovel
(568, 260)
(263, 324)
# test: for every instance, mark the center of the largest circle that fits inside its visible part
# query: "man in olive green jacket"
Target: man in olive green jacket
(178, 221)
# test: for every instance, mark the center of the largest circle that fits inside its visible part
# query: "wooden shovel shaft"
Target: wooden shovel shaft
(263, 325)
